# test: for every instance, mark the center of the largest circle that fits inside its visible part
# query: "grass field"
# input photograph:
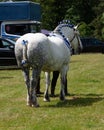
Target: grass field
(82, 110)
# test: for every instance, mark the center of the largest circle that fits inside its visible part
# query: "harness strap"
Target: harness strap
(63, 38)
(72, 39)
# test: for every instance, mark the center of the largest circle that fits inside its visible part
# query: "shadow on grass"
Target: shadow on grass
(6, 77)
(79, 100)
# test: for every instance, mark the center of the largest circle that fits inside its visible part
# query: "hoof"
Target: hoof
(67, 94)
(35, 105)
(52, 95)
(62, 98)
(30, 104)
(46, 100)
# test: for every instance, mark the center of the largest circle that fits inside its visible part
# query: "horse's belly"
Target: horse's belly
(50, 68)
(54, 65)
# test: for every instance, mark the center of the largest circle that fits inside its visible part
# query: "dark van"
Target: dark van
(92, 45)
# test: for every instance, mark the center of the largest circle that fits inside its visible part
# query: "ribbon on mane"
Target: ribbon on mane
(63, 23)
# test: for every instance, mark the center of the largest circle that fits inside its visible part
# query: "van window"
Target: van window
(21, 29)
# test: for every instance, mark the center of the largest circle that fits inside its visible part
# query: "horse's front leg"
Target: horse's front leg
(33, 83)
(46, 94)
(63, 81)
(62, 93)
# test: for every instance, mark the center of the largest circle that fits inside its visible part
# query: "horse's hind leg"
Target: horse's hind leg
(33, 83)
(27, 82)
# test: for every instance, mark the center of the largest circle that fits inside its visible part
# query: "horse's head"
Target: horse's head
(71, 34)
(75, 41)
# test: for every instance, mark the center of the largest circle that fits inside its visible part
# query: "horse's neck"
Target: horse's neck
(68, 32)
(65, 31)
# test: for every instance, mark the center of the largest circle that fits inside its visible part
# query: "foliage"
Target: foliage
(82, 110)
(98, 21)
(81, 11)
(77, 11)
(89, 12)
(53, 12)
(85, 30)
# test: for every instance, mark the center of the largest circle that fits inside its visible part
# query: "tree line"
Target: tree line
(89, 13)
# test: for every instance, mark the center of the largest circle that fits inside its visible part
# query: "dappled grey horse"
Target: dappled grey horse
(42, 53)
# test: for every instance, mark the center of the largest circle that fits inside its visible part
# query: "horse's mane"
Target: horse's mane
(63, 23)
(58, 29)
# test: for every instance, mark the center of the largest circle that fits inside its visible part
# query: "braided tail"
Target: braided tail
(24, 62)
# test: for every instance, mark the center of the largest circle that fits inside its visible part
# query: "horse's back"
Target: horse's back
(32, 37)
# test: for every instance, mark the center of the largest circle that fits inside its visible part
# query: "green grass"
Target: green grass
(82, 110)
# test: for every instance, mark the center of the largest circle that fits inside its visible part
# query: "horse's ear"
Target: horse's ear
(77, 25)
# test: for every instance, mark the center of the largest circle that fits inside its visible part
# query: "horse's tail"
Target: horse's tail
(24, 62)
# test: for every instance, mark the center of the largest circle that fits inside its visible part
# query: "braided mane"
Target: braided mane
(63, 23)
